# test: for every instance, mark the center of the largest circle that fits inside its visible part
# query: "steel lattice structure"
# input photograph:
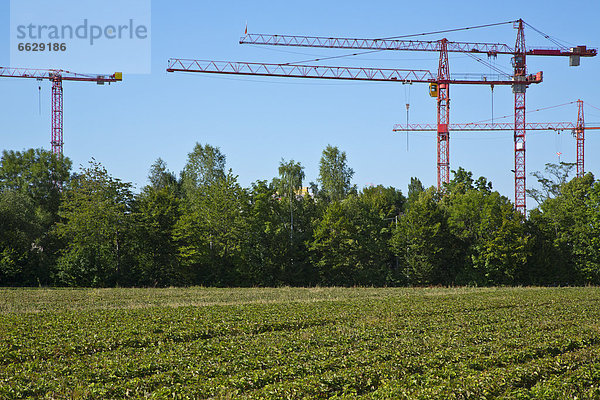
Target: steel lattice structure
(519, 80)
(56, 141)
(57, 76)
(343, 73)
(490, 49)
(580, 136)
(486, 126)
(443, 106)
(520, 71)
(578, 129)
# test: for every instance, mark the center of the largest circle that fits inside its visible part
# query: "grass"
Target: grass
(300, 343)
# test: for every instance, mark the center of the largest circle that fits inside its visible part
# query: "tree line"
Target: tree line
(201, 227)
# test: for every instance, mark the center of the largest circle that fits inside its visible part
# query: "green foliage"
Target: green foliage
(291, 175)
(210, 231)
(160, 177)
(350, 245)
(22, 258)
(350, 241)
(422, 241)
(156, 212)
(508, 343)
(205, 165)
(556, 176)
(388, 202)
(266, 239)
(205, 229)
(569, 223)
(415, 187)
(492, 235)
(29, 198)
(335, 176)
(35, 173)
(296, 212)
(96, 224)
(465, 234)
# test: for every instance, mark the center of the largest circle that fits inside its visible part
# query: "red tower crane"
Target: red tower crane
(519, 81)
(57, 76)
(578, 129)
(519, 53)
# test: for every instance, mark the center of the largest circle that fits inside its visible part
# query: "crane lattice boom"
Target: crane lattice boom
(51, 74)
(520, 80)
(502, 126)
(491, 49)
(347, 73)
(57, 76)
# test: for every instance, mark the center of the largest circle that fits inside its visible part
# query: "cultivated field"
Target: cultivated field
(300, 343)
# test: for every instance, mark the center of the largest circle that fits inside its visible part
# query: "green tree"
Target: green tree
(350, 245)
(492, 235)
(22, 258)
(591, 245)
(157, 210)
(205, 165)
(210, 231)
(556, 175)
(96, 225)
(428, 252)
(568, 223)
(35, 173)
(388, 202)
(415, 188)
(291, 175)
(28, 186)
(335, 176)
(160, 177)
(265, 246)
(300, 211)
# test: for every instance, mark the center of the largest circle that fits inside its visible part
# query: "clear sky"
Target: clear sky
(256, 121)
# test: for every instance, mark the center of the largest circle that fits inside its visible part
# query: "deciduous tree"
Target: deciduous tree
(335, 176)
(96, 225)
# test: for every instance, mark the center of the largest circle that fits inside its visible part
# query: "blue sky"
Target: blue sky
(258, 121)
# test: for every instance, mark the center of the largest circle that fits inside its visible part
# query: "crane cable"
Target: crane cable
(332, 57)
(448, 30)
(531, 111)
(550, 38)
(407, 101)
(558, 145)
(490, 65)
(403, 36)
(588, 104)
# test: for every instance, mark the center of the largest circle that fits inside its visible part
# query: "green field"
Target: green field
(300, 343)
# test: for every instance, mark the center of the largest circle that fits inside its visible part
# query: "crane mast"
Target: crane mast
(520, 71)
(57, 76)
(519, 81)
(443, 116)
(578, 129)
(56, 140)
(580, 136)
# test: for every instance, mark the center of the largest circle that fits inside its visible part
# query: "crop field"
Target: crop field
(512, 343)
